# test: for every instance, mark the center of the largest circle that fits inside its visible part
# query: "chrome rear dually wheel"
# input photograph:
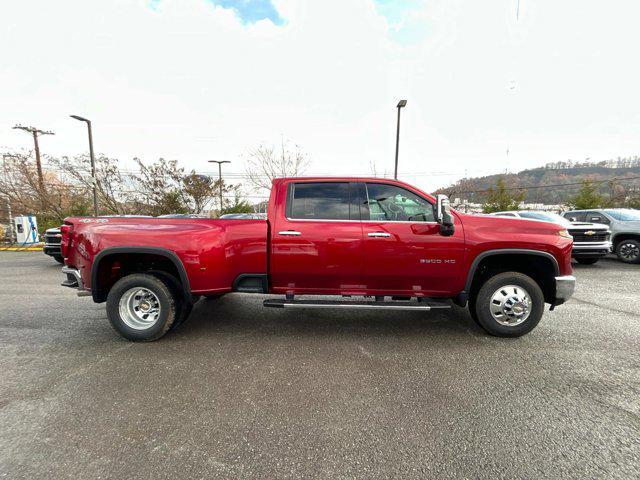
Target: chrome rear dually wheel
(141, 307)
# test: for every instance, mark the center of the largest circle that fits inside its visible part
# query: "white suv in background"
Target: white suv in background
(591, 241)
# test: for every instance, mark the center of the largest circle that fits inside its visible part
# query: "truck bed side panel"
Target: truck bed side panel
(213, 252)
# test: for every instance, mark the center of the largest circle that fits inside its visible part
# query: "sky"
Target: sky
(491, 86)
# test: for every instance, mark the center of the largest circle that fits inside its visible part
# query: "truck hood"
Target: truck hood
(498, 220)
(512, 224)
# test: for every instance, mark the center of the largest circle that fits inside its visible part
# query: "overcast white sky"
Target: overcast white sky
(199, 79)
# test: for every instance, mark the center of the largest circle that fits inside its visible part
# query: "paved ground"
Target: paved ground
(240, 391)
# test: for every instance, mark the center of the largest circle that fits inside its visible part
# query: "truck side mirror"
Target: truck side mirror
(443, 215)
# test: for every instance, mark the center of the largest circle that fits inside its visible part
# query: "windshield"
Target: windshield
(625, 215)
(545, 217)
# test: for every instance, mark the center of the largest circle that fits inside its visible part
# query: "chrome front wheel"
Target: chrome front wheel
(510, 305)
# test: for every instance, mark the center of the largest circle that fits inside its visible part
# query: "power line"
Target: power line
(50, 167)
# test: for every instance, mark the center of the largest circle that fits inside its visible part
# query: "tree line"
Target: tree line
(154, 188)
(500, 198)
(620, 162)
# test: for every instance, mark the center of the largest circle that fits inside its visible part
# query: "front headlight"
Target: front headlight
(564, 233)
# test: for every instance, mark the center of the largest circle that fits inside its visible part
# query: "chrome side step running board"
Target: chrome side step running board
(393, 305)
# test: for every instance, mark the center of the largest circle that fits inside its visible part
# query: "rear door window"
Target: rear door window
(319, 201)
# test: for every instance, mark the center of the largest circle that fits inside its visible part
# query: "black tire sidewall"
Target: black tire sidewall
(472, 309)
(58, 258)
(486, 320)
(619, 247)
(165, 297)
(183, 305)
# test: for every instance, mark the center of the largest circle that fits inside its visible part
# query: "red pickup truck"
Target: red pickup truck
(384, 241)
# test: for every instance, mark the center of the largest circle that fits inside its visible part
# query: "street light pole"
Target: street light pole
(401, 104)
(93, 163)
(220, 162)
(36, 133)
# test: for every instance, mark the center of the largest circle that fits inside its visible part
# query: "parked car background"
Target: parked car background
(591, 241)
(52, 239)
(624, 224)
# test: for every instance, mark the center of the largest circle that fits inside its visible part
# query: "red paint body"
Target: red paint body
(328, 257)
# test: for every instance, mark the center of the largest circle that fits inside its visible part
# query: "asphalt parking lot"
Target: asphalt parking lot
(240, 391)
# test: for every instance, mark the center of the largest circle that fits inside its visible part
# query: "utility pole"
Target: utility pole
(220, 162)
(401, 104)
(36, 133)
(94, 180)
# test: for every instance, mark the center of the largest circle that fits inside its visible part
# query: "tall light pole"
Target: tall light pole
(93, 163)
(401, 104)
(219, 162)
(36, 133)
(12, 226)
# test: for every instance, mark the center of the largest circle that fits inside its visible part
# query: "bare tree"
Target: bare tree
(113, 198)
(159, 188)
(163, 187)
(51, 199)
(374, 170)
(199, 190)
(264, 163)
(156, 188)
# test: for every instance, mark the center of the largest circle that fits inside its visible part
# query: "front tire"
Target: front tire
(628, 251)
(509, 304)
(58, 258)
(587, 261)
(141, 307)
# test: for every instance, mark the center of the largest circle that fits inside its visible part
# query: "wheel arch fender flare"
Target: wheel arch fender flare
(169, 254)
(506, 251)
(625, 236)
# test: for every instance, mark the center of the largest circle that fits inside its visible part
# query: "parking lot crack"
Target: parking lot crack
(611, 309)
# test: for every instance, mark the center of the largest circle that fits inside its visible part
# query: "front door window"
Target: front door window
(388, 203)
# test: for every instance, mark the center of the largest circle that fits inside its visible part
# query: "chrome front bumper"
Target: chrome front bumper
(565, 286)
(577, 246)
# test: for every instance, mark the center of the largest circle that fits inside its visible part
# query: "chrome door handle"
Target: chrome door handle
(379, 234)
(289, 232)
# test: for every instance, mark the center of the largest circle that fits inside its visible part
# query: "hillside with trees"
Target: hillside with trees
(614, 182)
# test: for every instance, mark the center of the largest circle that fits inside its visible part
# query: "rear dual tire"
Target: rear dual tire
(143, 307)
